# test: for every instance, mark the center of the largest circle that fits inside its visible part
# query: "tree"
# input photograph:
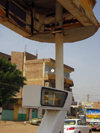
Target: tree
(11, 79)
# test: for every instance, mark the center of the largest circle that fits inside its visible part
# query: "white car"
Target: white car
(76, 126)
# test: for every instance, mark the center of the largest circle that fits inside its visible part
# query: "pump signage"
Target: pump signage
(35, 96)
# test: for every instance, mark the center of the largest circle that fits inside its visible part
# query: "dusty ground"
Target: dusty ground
(17, 127)
(20, 127)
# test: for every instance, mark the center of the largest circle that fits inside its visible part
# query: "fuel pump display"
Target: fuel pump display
(55, 102)
(51, 97)
(35, 96)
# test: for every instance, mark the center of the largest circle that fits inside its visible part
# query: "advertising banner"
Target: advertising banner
(93, 114)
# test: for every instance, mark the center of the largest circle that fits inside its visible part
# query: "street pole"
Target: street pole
(59, 53)
(59, 48)
(53, 121)
(59, 61)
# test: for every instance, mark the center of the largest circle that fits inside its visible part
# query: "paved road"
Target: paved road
(17, 127)
(20, 127)
(95, 131)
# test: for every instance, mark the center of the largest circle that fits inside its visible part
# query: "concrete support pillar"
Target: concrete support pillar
(59, 61)
(30, 114)
(27, 114)
(59, 14)
(53, 121)
(15, 115)
(59, 54)
(59, 48)
(0, 112)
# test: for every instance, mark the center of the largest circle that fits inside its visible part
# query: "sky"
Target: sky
(83, 56)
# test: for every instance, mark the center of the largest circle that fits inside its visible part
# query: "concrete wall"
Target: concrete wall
(33, 70)
(30, 56)
(18, 59)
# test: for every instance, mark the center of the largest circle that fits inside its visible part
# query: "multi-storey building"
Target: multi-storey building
(37, 72)
(5, 56)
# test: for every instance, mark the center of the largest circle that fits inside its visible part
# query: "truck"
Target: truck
(93, 118)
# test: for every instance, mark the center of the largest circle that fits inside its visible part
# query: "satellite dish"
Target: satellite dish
(35, 19)
(52, 70)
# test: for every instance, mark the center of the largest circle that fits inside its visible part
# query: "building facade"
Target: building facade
(37, 72)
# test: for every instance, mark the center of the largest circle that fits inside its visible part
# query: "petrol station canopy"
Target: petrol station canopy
(35, 19)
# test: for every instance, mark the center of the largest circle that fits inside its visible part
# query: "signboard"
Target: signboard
(35, 96)
(93, 115)
(53, 98)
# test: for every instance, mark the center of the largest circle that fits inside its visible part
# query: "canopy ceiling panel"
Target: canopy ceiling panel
(35, 19)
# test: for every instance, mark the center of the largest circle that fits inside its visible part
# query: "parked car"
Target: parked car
(35, 121)
(76, 126)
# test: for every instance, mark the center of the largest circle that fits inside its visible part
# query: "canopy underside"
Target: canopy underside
(35, 19)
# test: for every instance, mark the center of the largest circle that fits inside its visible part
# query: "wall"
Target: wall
(30, 56)
(7, 115)
(18, 59)
(33, 70)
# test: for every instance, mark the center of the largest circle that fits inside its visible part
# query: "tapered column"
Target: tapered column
(59, 61)
(59, 54)
(59, 48)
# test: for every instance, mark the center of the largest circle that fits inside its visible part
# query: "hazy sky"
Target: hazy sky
(83, 56)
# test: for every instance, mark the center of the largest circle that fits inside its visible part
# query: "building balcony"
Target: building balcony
(51, 77)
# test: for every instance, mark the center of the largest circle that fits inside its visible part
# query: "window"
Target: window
(49, 69)
(79, 122)
(70, 122)
(66, 75)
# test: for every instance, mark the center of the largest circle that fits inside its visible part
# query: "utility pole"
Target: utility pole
(88, 98)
